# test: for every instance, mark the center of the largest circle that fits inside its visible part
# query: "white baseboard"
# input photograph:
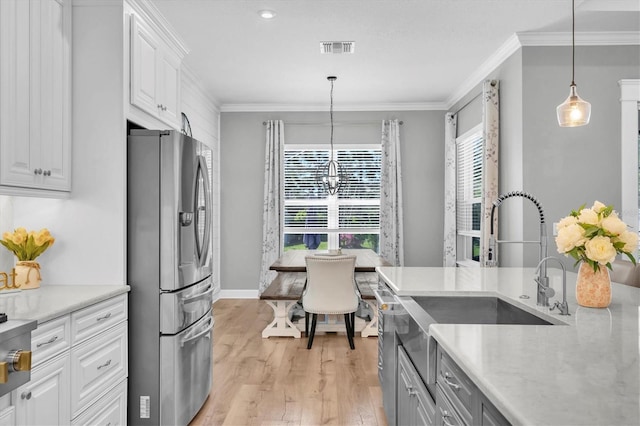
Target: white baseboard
(238, 294)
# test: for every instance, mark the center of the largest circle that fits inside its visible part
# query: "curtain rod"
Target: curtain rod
(339, 123)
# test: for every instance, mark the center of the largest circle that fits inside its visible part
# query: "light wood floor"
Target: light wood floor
(277, 381)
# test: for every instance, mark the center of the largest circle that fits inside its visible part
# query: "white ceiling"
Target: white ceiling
(409, 54)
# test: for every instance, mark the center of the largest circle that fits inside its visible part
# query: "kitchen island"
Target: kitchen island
(583, 370)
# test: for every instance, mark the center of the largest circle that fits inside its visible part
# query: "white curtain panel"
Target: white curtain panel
(491, 136)
(272, 208)
(391, 227)
(450, 131)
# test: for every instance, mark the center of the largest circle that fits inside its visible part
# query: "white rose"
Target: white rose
(588, 217)
(566, 221)
(630, 240)
(613, 224)
(597, 206)
(569, 237)
(600, 249)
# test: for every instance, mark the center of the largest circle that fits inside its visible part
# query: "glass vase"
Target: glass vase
(593, 288)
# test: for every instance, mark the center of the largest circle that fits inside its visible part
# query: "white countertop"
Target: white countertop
(51, 301)
(586, 372)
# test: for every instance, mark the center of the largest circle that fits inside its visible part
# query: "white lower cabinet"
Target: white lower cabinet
(109, 410)
(80, 369)
(44, 400)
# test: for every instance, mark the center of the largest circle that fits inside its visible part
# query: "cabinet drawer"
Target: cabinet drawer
(97, 365)
(446, 415)
(455, 384)
(50, 339)
(94, 319)
(111, 409)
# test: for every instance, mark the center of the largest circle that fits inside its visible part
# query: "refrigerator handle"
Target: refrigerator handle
(197, 335)
(202, 165)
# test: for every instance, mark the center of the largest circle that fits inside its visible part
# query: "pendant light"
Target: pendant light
(331, 176)
(574, 111)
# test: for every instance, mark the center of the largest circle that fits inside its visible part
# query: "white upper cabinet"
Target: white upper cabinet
(155, 74)
(35, 95)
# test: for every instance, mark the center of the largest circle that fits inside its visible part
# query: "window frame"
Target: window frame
(333, 202)
(464, 252)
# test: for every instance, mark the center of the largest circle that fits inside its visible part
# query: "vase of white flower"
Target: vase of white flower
(594, 237)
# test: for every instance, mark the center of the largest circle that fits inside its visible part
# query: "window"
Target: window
(469, 158)
(630, 147)
(314, 219)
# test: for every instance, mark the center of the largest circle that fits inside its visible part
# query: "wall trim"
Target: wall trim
(409, 106)
(238, 294)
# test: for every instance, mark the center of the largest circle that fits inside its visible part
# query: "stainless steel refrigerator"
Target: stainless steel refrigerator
(169, 271)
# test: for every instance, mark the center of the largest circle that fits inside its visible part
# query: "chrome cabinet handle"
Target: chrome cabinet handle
(47, 173)
(446, 378)
(25, 395)
(50, 341)
(37, 171)
(159, 106)
(445, 416)
(104, 317)
(106, 364)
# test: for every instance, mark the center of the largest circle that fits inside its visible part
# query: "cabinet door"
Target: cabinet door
(45, 399)
(145, 57)
(35, 87)
(55, 94)
(170, 88)
(415, 404)
(17, 153)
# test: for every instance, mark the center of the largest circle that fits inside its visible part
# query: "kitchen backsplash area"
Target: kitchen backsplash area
(6, 224)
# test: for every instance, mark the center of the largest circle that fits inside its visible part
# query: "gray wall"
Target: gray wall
(563, 167)
(242, 178)
(568, 167)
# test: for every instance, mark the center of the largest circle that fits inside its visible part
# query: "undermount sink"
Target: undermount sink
(475, 310)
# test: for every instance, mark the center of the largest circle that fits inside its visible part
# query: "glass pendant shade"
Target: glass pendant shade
(574, 111)
(331, 177)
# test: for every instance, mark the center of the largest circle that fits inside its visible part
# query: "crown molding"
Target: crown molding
(190, 75)
(507, 49)
(409, 106)
(600, 38)
(89, 3)
(518, 40)
(150, 13)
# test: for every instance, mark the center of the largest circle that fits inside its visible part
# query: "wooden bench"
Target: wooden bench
(285, 291)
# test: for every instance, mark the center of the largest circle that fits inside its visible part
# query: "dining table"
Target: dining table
(285, 291)
(293, 260)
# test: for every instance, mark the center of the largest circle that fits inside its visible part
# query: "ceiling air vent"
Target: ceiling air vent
(337, 47)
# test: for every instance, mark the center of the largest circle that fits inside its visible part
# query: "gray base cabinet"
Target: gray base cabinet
(458, 400)
(414, 403)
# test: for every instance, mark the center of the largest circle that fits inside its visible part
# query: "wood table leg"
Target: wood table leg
(281, 324)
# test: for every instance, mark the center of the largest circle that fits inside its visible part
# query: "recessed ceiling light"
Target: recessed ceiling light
(267, 14)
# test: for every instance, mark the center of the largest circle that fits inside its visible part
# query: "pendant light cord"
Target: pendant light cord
(331, 118)
(573, 42)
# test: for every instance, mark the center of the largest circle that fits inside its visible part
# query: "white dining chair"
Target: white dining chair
(330, 289)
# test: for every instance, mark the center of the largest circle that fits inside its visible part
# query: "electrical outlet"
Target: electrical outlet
(555, 229)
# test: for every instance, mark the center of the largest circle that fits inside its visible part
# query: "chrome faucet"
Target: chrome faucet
(492, 255)
(548, 292)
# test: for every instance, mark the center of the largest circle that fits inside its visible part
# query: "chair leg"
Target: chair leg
(313, 330)
(349, 325)
(353, 324)
(306, 324)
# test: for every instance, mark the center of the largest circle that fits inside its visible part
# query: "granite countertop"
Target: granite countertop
(584, 371)
(51, 301)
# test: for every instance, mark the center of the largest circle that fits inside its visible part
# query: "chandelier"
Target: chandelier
(574, 111)
(331, 176)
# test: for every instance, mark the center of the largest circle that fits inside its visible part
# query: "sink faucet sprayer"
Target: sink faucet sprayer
(492, 256)
(548, 292)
